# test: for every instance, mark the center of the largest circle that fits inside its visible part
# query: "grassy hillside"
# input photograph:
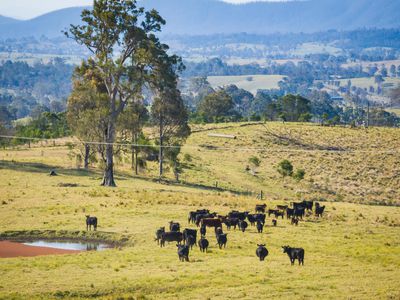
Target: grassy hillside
(345, 250)
(251, 83)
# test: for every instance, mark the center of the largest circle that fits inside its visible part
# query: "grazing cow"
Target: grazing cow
(192, 232)
(272, 212)
(279, 214)
(261, 252)
(190, 241)
(183, 252)
(200, 217)
(260, 226)
(203, 230)
(159, 233)
(299, 212)
(193, 214)
(174, 226)
(289, 213)
(239, 215)
(261, 208)
(294, 253)
(211, 222)
(274, 222)
(243, 225)
(319, 211)
(203, 244)
(91, 221)
(222, 240)
(295, 221)
(281, 207)
(172, 236)
(229, 222)
(252, 219)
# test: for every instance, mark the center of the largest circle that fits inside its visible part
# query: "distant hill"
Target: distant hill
(195, 17)
(6, 20)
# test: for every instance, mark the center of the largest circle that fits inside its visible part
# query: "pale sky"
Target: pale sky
(27, 9)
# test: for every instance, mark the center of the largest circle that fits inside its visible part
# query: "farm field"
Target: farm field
(366, 82)
(251, 83)
(344, 250)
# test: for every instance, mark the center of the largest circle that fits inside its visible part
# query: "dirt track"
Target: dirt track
(12, 249)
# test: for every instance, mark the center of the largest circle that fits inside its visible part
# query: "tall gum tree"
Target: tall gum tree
(118, 33)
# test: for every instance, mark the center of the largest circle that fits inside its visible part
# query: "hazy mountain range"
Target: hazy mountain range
(194, 17)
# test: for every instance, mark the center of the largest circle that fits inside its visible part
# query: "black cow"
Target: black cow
(172, 236)
(203, 244)
(271, 212)
(239, 215)
(91, 221)
(261, 252)
(174, 226)
(289, 213)
(294, 253)
(295, 221)
(222, 240)
(190, 241)
(299, 212)
(298, 205)
(281, 207)
(229, 222)
(159, 233)
(192, 232)
(260, 217)
(319, 211)
(279, 213)
(261, 208)
(218, 231)
(193, 214)
(200, 217)
(183, 252)
(252, 219)
(308, 204)
(243, 225)
(203, 230)
(274, 222)
(260, 226)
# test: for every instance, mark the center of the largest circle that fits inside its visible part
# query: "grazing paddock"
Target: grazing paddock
(353, 250)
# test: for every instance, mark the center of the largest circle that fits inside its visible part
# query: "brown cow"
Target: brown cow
(211, 222)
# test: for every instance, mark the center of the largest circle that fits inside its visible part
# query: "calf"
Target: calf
(174, 226)
(261, 208)
(260, 226)
(243, 225)
(192, 232)
(159, 233)
(261, 252)
(222, 240)
(91, 221)
(229, 222)
(172, 236)
(211, 222)
(319, 211)
(203, 230)
(203, 244)
(295, 221)
(183, 252)
(274, 222)
(294, 253)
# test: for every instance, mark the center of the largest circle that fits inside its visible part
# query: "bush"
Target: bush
(285, 168)
(299, 175)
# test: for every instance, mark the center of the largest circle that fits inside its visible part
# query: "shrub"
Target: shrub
(299, 175)
(285, 168)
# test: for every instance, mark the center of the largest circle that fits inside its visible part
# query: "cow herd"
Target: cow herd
(204, 220)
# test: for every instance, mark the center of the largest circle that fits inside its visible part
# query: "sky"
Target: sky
(27, 9)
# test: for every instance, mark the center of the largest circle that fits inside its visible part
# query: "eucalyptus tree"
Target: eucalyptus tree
(118, 33)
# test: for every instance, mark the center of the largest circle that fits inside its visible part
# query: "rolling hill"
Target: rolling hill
(193, 17)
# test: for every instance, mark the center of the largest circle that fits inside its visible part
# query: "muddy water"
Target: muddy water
(36, 248)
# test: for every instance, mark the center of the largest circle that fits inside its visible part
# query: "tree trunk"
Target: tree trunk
(161, 149)
(87, 154)
(108, 178)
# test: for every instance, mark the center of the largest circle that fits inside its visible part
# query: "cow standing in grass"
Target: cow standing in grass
(261, 252)
(91, 221)
(294, 253)
(183, 252)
